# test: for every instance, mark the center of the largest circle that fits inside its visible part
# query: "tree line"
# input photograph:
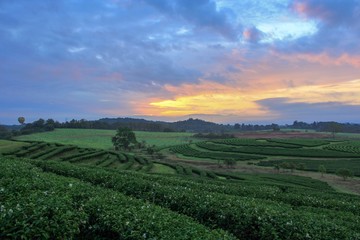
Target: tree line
(40, 125)
(190, 125)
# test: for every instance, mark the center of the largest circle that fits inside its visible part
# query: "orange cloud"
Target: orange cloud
(205, 98)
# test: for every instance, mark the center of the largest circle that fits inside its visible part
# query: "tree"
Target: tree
(284, 165)
(344, 173)
(333, 127)
(21, 120)
(292, 166)
(230, 163)
(237, 126)
(49, 125)
(275, 127)
(123, 139)
(4, 133)
(150, 150)
(301, 166)
(322, 169)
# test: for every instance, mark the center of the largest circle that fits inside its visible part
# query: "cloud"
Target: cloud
(253, 35)
(308, 112)
(330, 12)
(151, 56)
(203, 14)
(338, 28)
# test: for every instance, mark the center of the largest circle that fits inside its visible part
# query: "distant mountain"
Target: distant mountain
(190, 125)
(198, 125)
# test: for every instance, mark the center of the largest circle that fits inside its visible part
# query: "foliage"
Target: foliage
(344, 173)
(331, 166)
(322, 169)
(214, 136)
(123, 138)
(273, 151)
(230, 163)
(38, 205)
(262, 213)
(5, 133)
(38, 126)
(347, 146)
(188, 150)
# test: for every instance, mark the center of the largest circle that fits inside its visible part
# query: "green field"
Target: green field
(78, 188)
(101, 139)
(6, 146)
(306, 154)
(72, 201)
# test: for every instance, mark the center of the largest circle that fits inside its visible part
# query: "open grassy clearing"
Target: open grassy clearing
(101, 139)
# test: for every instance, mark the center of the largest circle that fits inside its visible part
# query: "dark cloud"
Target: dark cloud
(57, 51)
(330, 12)
(308, 112)
(201, 13)
(338, 27)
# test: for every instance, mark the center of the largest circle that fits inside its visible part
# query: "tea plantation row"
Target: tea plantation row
(256, 212)
(101, 158)
(272, 151)
(38, 205)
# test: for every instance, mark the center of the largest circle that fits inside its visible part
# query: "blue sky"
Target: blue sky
(221, 60)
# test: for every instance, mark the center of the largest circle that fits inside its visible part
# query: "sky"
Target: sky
(225, 61)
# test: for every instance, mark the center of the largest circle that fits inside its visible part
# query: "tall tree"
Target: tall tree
(123, 138)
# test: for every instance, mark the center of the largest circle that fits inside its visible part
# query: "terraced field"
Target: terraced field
(307, 153)
(97, 157)
(90, 193)
(73, 201)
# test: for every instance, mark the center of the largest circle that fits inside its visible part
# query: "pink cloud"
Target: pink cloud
(323, 59)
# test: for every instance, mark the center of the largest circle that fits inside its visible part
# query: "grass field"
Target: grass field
(101, 139)
(87, 191)
(6, 146)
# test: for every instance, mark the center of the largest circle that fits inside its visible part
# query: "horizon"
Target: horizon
(185, 118)
(222, 61)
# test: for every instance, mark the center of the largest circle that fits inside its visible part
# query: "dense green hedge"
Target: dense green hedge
(266, 216)
(313, 165)
(187, 150)
(350, 147)
(37, 205)
(255, 142)
(299, 152)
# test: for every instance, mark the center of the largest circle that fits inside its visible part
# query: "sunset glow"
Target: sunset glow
(223, 60)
